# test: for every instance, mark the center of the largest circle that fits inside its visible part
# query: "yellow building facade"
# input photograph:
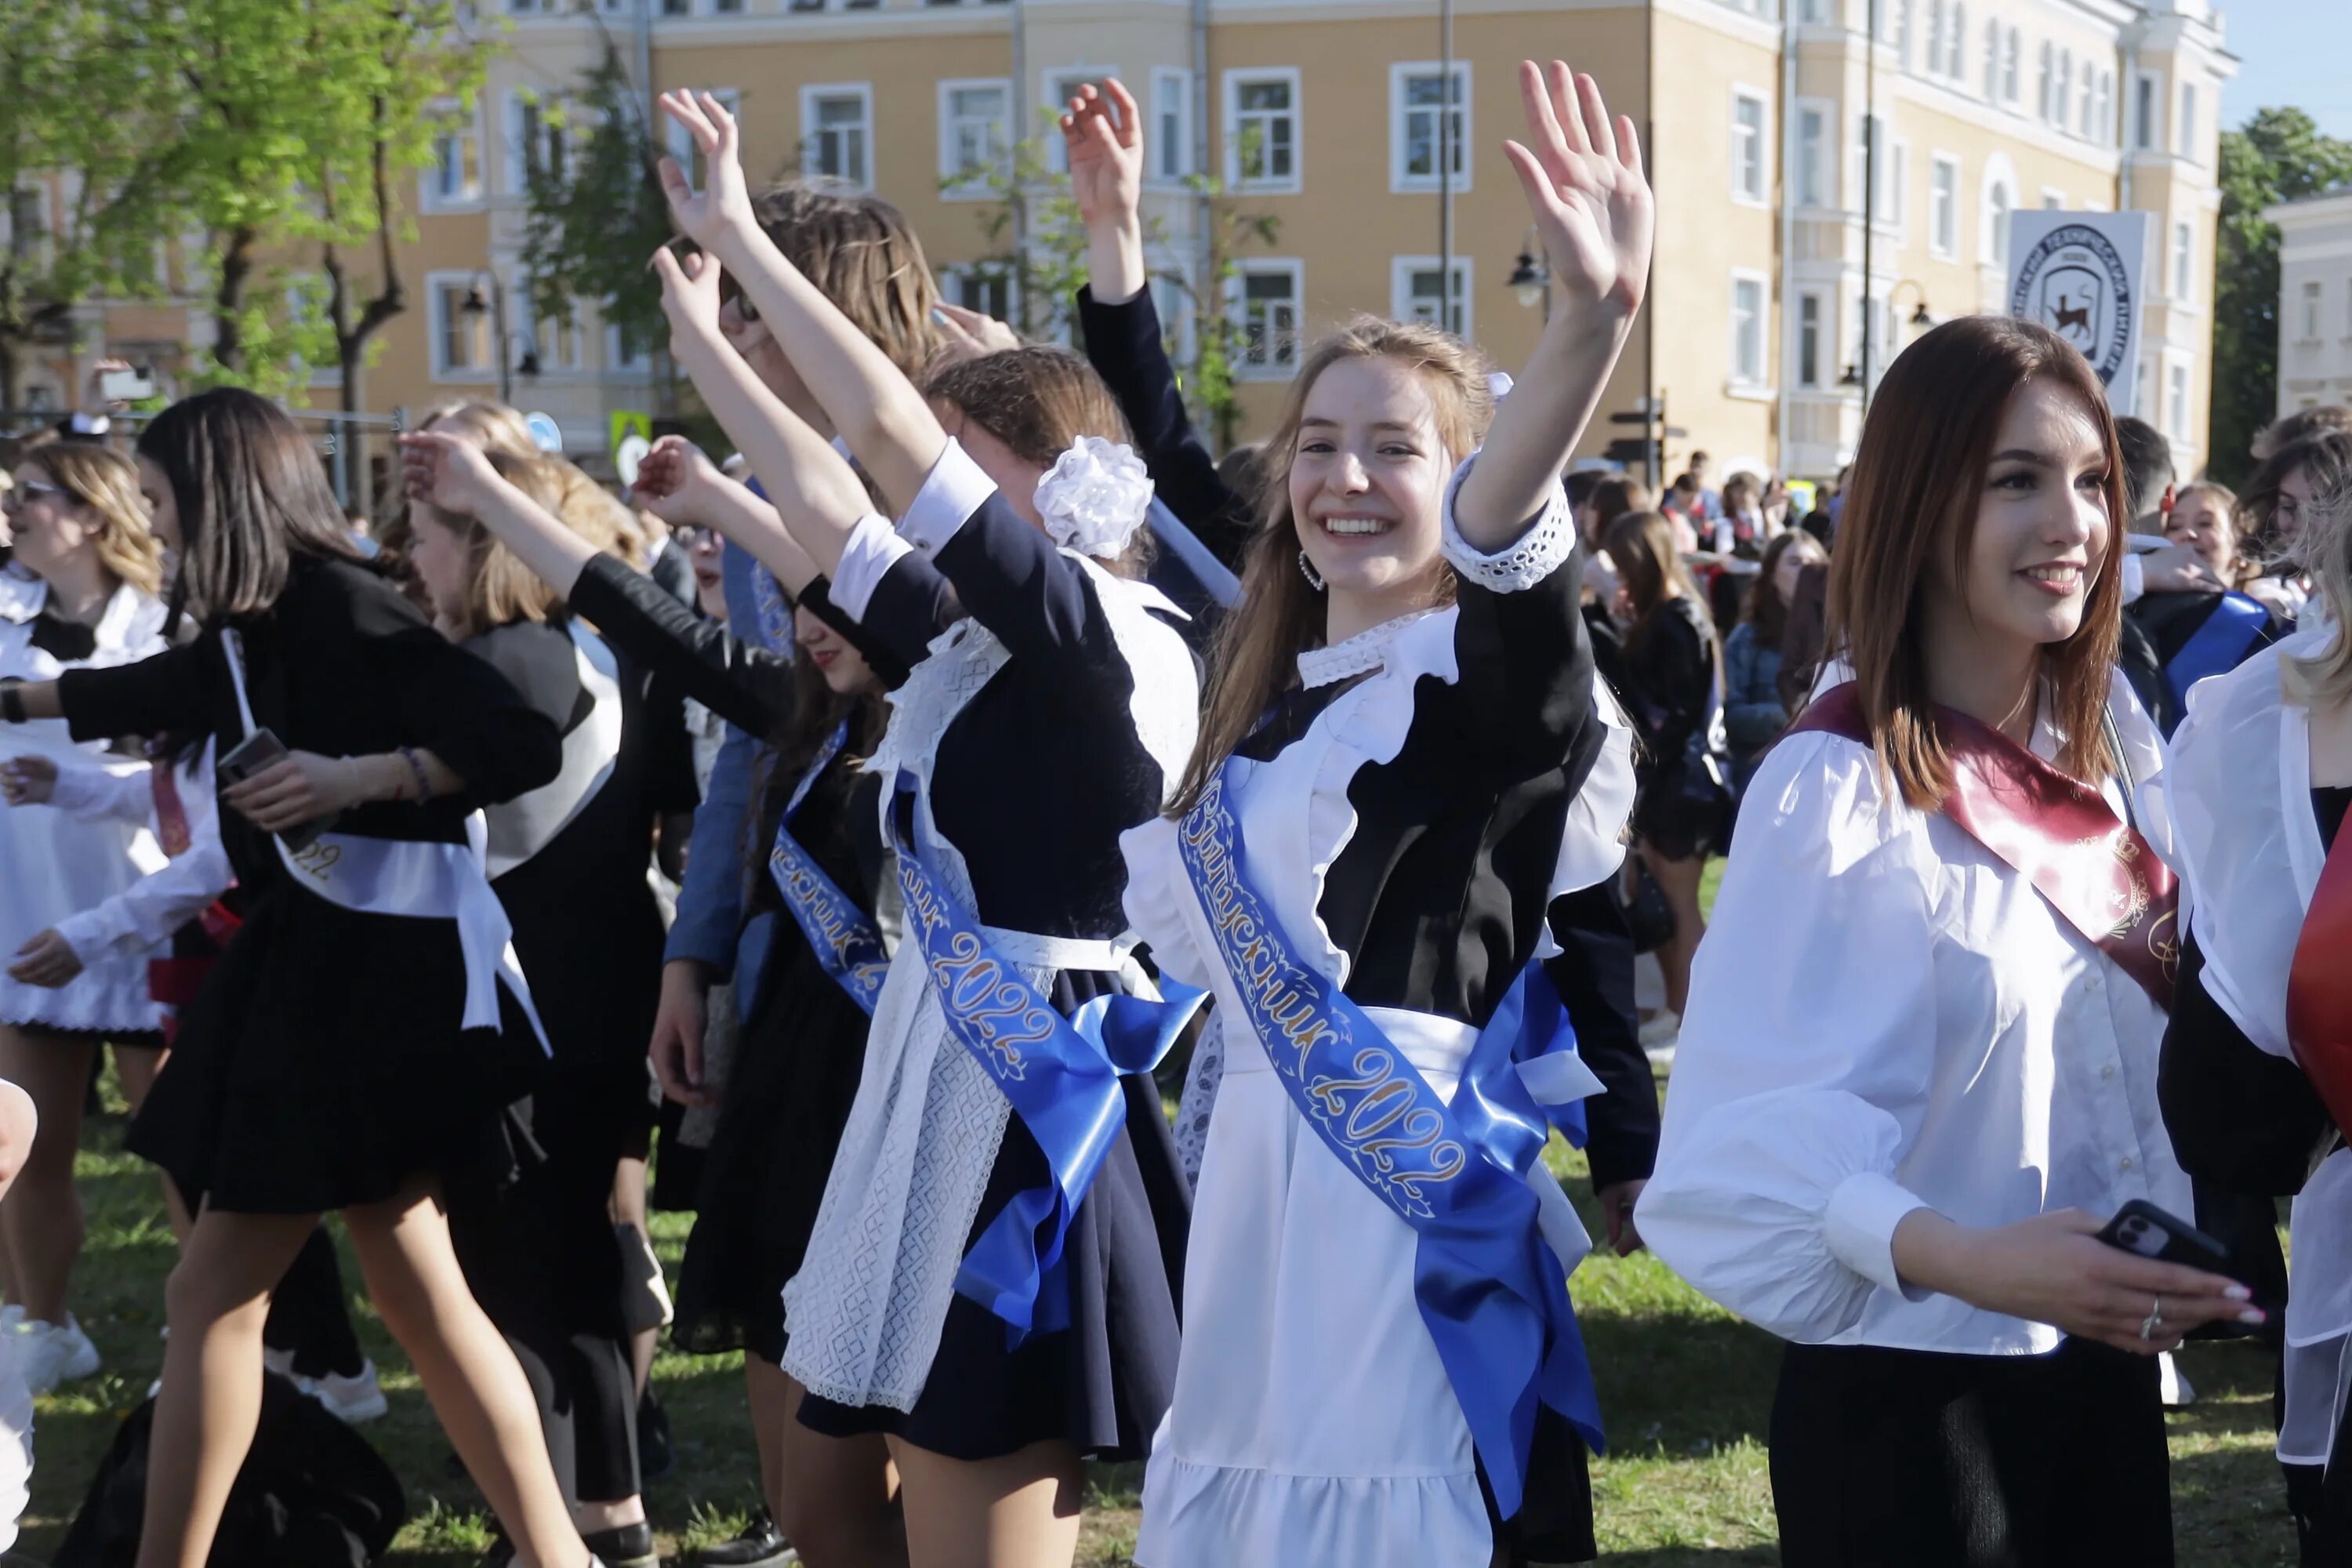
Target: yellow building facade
(1326, 116)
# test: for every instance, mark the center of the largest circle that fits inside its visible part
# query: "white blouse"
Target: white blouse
(1884, 1017)
(147, 913)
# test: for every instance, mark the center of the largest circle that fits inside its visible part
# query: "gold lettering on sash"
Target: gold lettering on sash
(317, 858)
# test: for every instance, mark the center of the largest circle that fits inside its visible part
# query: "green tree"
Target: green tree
(597, 214)
(2277, 157)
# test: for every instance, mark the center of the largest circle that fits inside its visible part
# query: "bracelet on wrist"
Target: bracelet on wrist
(416, 771)
(12, 704)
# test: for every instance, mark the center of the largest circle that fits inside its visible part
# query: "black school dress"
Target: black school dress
(324, 1062)
(1669, 687)
(1037, 729)
(798, 1063)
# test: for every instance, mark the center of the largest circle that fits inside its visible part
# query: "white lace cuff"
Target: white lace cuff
(1541, 548)
(866, 560)
(950, 494)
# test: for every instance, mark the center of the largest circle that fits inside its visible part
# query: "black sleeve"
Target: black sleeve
(741, 681)
(1594, 976)
(911, 605)
(458, 707)
(880, 656)
(1010, 577)
(539, 662)
(1124, 344)
(2240, 1119)
(1527, 670)
(161, 693)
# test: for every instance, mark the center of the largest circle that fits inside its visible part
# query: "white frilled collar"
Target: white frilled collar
(1363, 652)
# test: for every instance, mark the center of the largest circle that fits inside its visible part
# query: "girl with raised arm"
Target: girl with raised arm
(1918, 1074)
(1406, 759)
(362, 1029)
(990, 1278)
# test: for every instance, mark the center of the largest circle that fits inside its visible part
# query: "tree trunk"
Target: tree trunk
(235, 267)
(7, 370)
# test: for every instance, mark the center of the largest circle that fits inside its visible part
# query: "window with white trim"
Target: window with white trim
(1263, 298)
(2184, 261)
(681, 141)
(1429, 118)
(625, 352)
(460, 338)
(2053, 199)
(1944, 205)
(2187, 145)
(2311, 297)
(1887, 203)
(557, 339)
(1262, 130)
(1748, 296)
(1935, 37)
(1956, 43)
(2179, 411)
(837, 133)
(2012, 53)
(1992, 59)
(2062, 97)
(984, 286)
(975, 131)
(1811, 351)
(1059, 85)
(2144, 112)
(1812, 155)
(2049, 81)
(454, 179)
(535, 141)
(1747, 144)
(1170, 130)
(1417, 293)
(2000, 201)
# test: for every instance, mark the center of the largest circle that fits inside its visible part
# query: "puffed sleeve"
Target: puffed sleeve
(1806, 1054)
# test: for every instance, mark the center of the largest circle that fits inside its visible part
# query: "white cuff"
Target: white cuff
(1859, 1225)
(1541, 548)
(90, 793)
(868, 556)
(952, 492)
(2135, 578)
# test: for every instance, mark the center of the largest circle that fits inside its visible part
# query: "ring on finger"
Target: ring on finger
(2153, 1321)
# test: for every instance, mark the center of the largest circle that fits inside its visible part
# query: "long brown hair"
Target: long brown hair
(864, 256)
(1255, 657)
(252, 498)
(1919, 478)
(1763, 608)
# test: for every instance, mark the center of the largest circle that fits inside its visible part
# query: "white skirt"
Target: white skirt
(1313, 1419)
(53, 866)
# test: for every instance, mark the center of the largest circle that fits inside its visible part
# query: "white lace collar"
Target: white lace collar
(1363, 652)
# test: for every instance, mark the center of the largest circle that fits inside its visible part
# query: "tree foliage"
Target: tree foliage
(2279, 155)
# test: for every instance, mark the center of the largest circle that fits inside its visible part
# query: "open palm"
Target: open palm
(1105, 143)
(1585, 187)
(724, 199)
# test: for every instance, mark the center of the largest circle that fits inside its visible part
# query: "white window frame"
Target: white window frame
(1761, 381)
(1051, 82)
(2062, 97)
(1956, 43)
(1944, 207)
(2182, 263)
(1401, 181)
(2177, 384)
(463, 122)
(513, 137)
(1236, 79)
(1817, 166)
(2053, 200)
(436, 322)
(1935, 61)
(2148, 112)
(2103, 119)
(1822, 329)
(1742, 194)
(1171, 98)
(2012, 68)
(1992, 248)
(810, 95)
(1401, 296)
(956, 279)
(1236, 311)
(549, 340)
(617, 361)
(2315, 299)
(1992, 36)
(954, 183)
(2049, 81)
(2185, 123)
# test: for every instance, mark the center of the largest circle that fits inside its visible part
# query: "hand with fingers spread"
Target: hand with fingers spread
(444, 470)
(1103, 133)
(28, 781)
(725, 200)
(2053, 1270)
(689, 290)
(46, 960)
(968, 334)
(1585, 187)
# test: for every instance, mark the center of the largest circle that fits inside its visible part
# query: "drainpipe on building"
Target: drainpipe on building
(2126, 133)
(1788, 224)
(1446, 165)
(1204, 215)
(1869, 188)
(1022, 131)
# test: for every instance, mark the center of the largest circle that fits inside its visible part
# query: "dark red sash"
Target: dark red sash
(2319, 985)
(171, 815)
(2095, 870)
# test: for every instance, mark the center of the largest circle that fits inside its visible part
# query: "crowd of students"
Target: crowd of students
(1024, 743)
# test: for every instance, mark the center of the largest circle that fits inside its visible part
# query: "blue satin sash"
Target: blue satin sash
(1060, 1074)
(2232, 631)
(1491, 1290)
(843, 937)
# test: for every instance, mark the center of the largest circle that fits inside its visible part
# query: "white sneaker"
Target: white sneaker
(350, 1400)
(52, 1353)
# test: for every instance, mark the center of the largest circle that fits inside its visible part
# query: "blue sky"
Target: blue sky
(2291, 52)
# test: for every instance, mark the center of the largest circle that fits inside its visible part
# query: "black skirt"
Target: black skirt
(1888, 1458)
(1101, 1385)
(796, 1072)
(323, 1064)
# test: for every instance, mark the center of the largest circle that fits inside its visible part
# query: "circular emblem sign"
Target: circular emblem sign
(2076, 283)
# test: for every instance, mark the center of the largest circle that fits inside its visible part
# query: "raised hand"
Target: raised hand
(670, 481)
(444, 470)
(689, 287)
(968, 334)
(1585, 188)
(725, 200)
(1103, 134)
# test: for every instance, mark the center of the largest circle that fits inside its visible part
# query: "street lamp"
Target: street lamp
(1530, 281)
(495, 307)
(1921, 316)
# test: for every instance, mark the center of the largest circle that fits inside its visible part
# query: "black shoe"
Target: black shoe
(655, 1457)
(761, 1545)
(624, 1545)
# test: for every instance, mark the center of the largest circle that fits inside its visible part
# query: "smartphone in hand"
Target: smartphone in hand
(257, 753)
(2141, 1227)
